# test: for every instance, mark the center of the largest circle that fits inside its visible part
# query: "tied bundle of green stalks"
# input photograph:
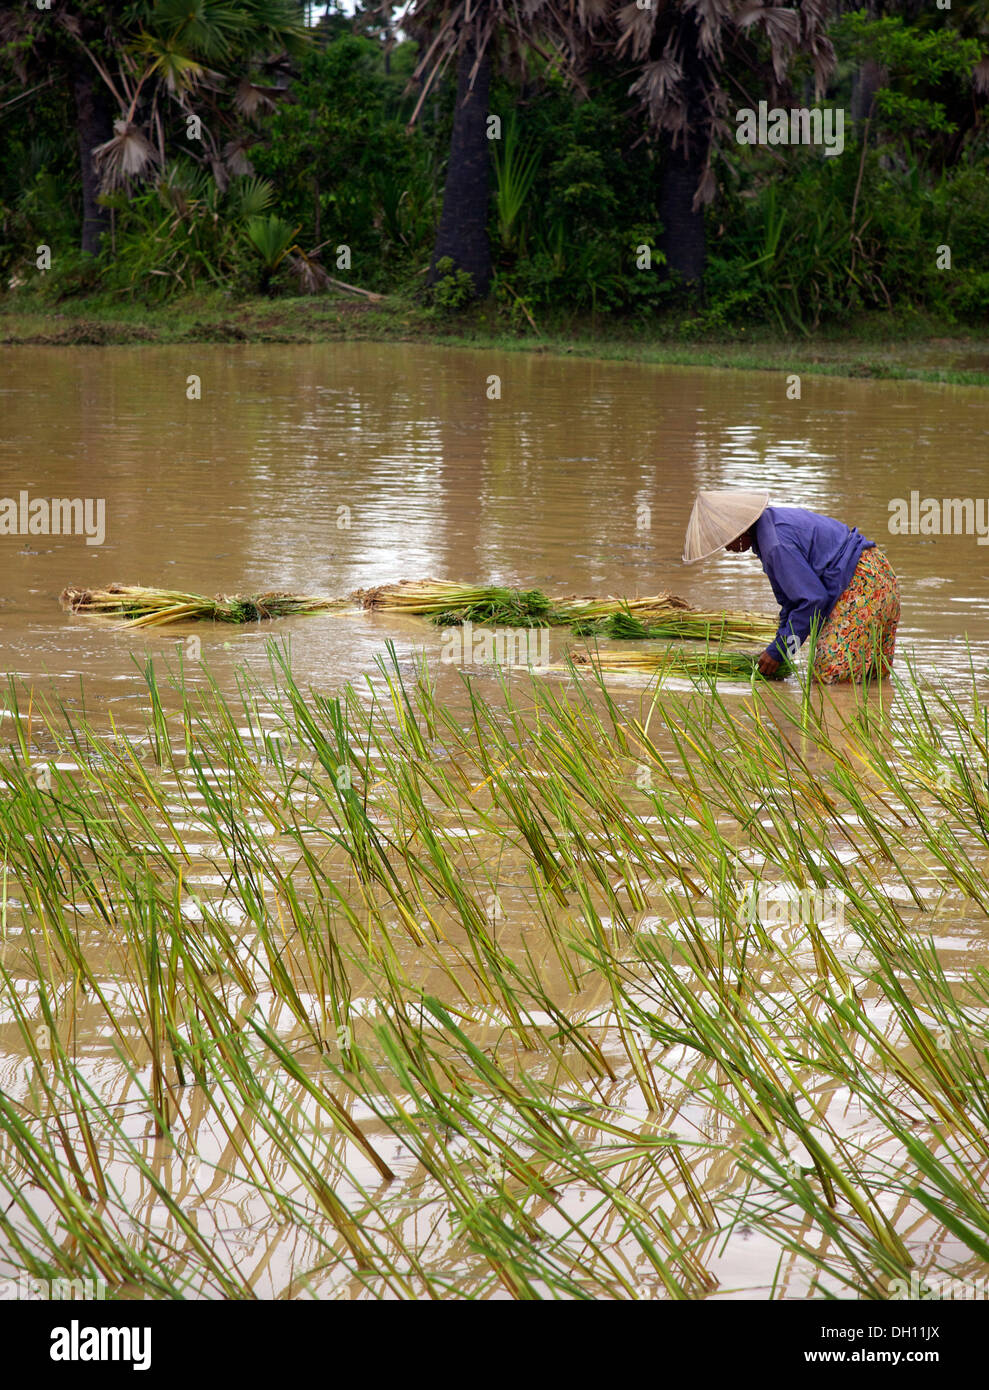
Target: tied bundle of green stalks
(686, 624)
(140, 607)
(503, 608)
(425, 597)
(450, 604)
(676, 661)
(658, 607)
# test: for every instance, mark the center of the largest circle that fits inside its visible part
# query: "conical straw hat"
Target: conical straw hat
(720, 517)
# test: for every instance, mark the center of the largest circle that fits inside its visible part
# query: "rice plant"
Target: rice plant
(372, 994)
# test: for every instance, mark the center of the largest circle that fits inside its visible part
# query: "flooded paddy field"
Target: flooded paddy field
(332, 968)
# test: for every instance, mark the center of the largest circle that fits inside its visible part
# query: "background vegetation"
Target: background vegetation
(325, 150)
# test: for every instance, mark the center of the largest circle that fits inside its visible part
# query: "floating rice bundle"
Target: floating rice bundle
(423, 596)
(689, 625)
(656, 606)
(444, 602)
(679, 661)
(449, 603)
(141, 607)
(505, 608)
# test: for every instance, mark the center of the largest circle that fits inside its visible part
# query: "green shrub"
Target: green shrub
(73, 272)
(453, 288)
(346, 169)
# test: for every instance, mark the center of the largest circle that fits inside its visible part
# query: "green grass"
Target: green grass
(883, 345)
(468, 999)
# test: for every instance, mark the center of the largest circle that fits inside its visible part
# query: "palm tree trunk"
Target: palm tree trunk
(866, 81)
(463, 229)
(868, 77)
(93, 127)
(683, 241)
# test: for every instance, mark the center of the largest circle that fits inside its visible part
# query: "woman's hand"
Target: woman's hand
(768, 665)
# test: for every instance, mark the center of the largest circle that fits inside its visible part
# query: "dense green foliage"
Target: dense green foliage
(345, 168)
(328, 177)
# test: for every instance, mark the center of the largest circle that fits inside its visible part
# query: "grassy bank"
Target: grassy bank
(878, 346)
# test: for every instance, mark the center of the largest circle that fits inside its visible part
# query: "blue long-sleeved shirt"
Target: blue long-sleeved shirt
(809, 560)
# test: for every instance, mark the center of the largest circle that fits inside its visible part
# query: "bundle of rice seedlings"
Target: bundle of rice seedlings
(422, 596)
(684, 625)
(143, 607)
(678, 661)
(658, 606)
(505, 608)
(449, 604)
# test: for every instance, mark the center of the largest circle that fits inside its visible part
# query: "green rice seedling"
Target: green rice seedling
(409, 1019)
(771, 1097)
(534, 1149)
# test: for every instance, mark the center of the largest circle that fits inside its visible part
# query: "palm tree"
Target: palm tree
(677, 52)
(143, 60)
(272, 238)
(93, 129)
(462, 235)
(682, 49)
(469, 32)
(39, 45)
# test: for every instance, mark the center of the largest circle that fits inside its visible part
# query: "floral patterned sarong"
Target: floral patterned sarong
(858, 638)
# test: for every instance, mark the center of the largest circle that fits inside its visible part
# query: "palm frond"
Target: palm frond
(251, 196)
(271, 237)
(127, 155)
(307, 272)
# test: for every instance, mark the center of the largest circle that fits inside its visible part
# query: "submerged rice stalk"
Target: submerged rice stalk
(690, 625)
(674, 661)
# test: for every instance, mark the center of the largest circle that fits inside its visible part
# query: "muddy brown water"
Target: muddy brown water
(327, 468)
(578, 479)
